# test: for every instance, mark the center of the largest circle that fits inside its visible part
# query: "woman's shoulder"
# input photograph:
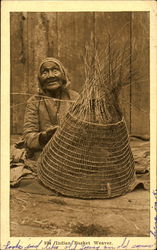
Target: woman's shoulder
(34, 99)
(73, 94)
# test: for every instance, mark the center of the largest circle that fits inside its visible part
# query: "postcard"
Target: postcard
(78, 125)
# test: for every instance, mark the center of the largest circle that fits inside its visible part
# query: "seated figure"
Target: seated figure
(45, 110)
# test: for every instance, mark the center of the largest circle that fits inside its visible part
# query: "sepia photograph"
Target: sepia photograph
(79, 124)
(79, 135)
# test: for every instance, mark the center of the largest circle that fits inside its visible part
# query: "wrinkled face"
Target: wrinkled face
(51, 78)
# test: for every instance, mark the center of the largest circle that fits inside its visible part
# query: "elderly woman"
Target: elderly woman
(45, 110)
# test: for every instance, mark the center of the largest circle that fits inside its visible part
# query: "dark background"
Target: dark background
(36, 35)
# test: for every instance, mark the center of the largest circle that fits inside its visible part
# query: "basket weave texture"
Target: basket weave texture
(90, 156)
(88, 160)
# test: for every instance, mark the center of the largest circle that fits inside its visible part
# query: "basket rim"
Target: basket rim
(96, 124)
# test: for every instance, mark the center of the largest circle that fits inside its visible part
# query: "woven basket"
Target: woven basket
(88, 160)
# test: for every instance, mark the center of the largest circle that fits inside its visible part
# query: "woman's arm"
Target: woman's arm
(31, 124)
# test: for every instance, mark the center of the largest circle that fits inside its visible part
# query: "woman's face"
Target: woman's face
(51, 78)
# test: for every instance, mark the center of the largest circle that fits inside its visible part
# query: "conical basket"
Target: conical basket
(88, 160)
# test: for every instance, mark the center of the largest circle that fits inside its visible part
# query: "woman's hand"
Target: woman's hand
(45, 136)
